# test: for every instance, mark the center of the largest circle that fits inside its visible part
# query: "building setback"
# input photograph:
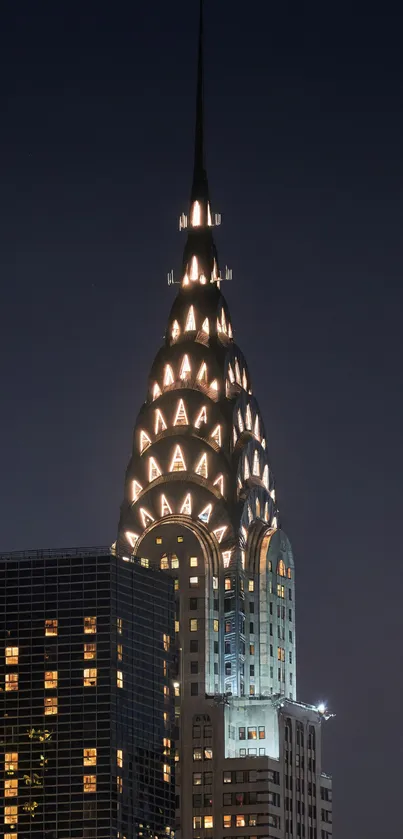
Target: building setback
(200, 502)
(87, 642)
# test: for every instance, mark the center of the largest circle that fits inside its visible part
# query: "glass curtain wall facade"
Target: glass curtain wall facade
(86, 649)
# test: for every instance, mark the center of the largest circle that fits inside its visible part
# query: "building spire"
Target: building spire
(200, 184)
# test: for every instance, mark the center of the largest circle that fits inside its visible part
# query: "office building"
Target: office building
(87, 647)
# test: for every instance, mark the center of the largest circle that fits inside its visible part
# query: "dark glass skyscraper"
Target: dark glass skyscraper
(87, 640)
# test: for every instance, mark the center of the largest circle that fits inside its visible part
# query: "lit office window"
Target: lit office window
(89, 757)
(90, 650)
(119, 757)
(166, 641)
(119, 678)
(119, 625)
(11, 681)
(11, 814)
(50, 705)
(90, 677)
(51, 679)
(119, 652)
(119, 784)
(51, 626)
(11, 655)
(90, 625)
(10, 787)
(167, 773)
(193, 625)
(89, 783)
(11, 762)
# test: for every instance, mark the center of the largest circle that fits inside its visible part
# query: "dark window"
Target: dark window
(252, 669)
(227, 647)
(242, 734)
(215, 647)
(194, 666)
(193, 603)
(251, 628)
(194, 646)
(252, 608)
(194, 689)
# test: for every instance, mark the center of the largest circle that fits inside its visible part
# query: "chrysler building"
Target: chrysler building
(200, 504)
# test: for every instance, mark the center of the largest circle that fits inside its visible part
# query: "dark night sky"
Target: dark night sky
(304, 121)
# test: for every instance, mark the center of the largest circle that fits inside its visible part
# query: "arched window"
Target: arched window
(281, 568)
(164, 562)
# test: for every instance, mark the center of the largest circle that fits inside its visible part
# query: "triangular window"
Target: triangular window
(206, 327)
(175, 331)
(219, 533)
(219, 482)
(145, 441)
(178, 462)
(168, 376)
(190, 321)
(165, 508)
(216, 435)
(201, 468)
(146, 517)
(159, 422)
(202, 417)
(206, 513)
(186, 509)
(181, 416)
(185, 368)
(136, 489)
(256, 464)
(154, 470)
(202, 374)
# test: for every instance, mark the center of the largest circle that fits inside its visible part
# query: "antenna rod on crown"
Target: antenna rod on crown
(199, 187)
